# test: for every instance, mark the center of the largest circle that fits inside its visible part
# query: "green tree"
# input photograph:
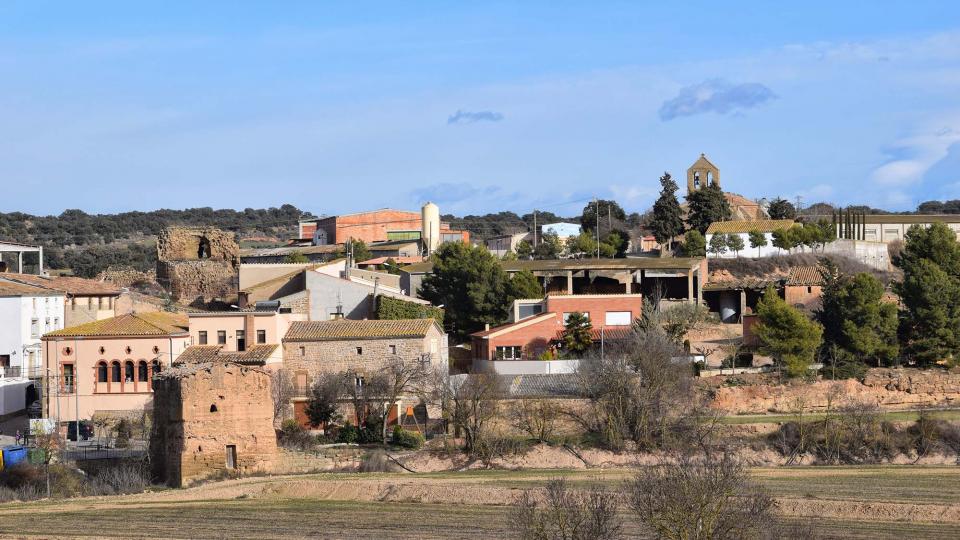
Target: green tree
(929, 293)
(784, 239)
(549, 247)
(757, 240)
(735, 243)
(582, 245)
(785, 334)
(577, 336)
(359, 250)
(608, 210)
(718, 244)
(470, 285)
(781, 209)
(707, 205)
(694, 244)
(524, 284)
(524, 250)
(855, 318)
(616, 242)
(296, 257)
(667, 221)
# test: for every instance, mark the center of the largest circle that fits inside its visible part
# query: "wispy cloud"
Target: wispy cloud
(449, 192)
(715, 95)
(471, 117)
(912, 157)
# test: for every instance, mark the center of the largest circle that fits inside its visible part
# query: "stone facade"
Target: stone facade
(886, 388)
(197, 264)
(209, 418)
(307, 359)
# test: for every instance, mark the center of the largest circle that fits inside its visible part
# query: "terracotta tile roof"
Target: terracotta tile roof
(805, 275)
(762, 225)
(349, 329)
(71, 285)
(254, 355)
(9, 288)
(132, 324)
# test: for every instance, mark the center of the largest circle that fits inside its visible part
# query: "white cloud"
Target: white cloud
(913, 156)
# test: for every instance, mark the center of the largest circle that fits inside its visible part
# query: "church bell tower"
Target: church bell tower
(701, 174)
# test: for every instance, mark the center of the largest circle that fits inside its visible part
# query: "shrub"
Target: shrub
(292, 435)
(406, 438)
(131, 477)
(376, 461)
(348, 434)
(566, 513)
(123, 433)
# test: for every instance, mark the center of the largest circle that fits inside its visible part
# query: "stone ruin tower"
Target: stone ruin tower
(209, 418)
(197, 264)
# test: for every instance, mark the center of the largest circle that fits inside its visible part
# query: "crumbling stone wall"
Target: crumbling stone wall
(886, 388)
(197, 265)
(205, 412)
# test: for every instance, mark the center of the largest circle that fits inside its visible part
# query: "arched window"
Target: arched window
(102, 372)
(128, 375)
(142, 371)
(156, 367)
(115, 371)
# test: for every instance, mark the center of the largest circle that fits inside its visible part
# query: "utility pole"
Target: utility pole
(534, 229)
(799, 204)
(596, 206)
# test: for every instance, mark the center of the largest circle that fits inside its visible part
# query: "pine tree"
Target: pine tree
(855, 318)
(781, 209)
(667, 220)
(707, 205)
(694, 244)
(718, 244)
(930, 293)
(786, 334)
(735, 243)
(757, 240)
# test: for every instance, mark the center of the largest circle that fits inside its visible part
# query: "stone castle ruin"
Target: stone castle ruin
(197, 264)
(211, 418)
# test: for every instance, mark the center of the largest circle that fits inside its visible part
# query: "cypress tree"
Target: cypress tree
(667, 220)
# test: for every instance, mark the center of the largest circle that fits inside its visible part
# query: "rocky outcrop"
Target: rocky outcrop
(886, 388)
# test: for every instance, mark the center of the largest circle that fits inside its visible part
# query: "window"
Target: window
(115, 371)
(35, 327)
(231, 456)
(221, 337)
(809, 290)
(89, 302)
(128, 371)
(359, 351)
(56, 323)
(102, 372)
(261, 336)
(143, 374)
(46, 324)
(241, 340)
(393, 350)
(358, 380)
(303, 351)
(202, 337)
(157, 366)
(618, 318)
(510, 352)
(68, 378)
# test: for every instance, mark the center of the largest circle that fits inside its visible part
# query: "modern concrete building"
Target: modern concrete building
(507, 243)
(12, 258)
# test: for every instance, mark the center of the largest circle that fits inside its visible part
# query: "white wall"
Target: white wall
(16, 334)
(747, 251)
(525, 367)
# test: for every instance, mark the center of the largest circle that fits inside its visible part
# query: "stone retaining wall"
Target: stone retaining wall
(886, 388)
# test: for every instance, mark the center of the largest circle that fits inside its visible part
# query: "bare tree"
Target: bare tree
(282, 390)
(323, 405)
(469, 401)
(365, 393)
(566, 514)
(535, 417)
(400, 378)
(637, 392)
(687, 498)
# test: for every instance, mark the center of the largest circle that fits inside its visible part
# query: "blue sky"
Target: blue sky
(339, 107)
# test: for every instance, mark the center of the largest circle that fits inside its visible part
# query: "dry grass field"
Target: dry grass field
(840, 502)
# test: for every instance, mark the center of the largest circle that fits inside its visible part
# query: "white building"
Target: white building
(743, 229)
(507, 243)
(26, 313)
(562, 230)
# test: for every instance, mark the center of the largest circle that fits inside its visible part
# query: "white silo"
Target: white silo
(430, 223)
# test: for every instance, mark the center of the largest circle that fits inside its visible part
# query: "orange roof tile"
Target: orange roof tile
(131, 324)
(9, 288)
(762, 225)
(254, 355)
(72, 285)
(350, 329)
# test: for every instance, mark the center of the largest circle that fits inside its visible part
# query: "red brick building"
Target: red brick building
(611, 316)
(386, 224)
